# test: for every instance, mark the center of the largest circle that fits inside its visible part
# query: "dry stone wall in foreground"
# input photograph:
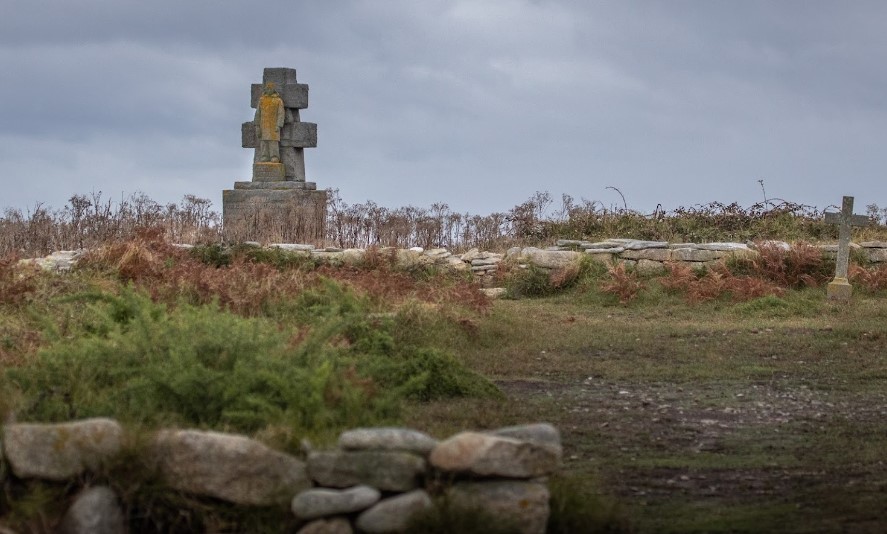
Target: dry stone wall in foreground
(375, 481)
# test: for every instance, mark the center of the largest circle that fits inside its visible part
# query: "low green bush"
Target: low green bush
(531, 281)
(215, 254)
(141, 362)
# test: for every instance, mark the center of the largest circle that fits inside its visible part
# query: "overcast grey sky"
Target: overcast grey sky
(474, 103)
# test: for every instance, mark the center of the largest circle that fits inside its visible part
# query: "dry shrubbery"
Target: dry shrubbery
(701, 286)
(170, 274)
(803, 265)
(379, 276)
(249, 281)
(91, 221)
(771, 272)
(16, 283)
(87, 221)
(623, 283)
(872, 279)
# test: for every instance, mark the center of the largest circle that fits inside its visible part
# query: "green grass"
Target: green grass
(798, 384)
(760, 416)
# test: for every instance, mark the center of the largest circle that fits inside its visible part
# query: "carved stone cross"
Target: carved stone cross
(295, 135)
(840, 288)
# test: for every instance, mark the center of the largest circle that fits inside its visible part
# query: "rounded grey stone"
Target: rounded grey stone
(229, 467)
(494, 292)
(523, 504)
(60, 451)
(543, 434)
(393, 514)
(389, 439)
(550, 259)
(94, 511)
(488, 455)
(322, 502)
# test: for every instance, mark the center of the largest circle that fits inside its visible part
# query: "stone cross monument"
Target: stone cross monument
(840, 288)
(279, 138)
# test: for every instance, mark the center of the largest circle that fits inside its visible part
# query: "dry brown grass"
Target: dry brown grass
(380, 277)
(712, 283)
(873, 278)
(623, 283)
(248, 287)
(16, 283)
(170, 274)
(803, 265)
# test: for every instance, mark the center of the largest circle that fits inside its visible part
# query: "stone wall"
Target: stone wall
(647, 257)
(374, 481)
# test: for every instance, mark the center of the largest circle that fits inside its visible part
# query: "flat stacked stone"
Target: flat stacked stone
(388, 439)
(876, 251)
(322, 502)
(384, 470)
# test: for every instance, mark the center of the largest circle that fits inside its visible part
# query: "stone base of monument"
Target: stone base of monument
(839, 289)
(293, 212)
(269, 172)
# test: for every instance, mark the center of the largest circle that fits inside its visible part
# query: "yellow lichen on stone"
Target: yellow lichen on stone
(61, 439)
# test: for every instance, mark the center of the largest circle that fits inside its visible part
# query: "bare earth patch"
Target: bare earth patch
(723, 445)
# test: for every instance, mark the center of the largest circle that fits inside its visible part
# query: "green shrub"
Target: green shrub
(219, 255)
(130, 358)
(216, 255)
(277, 257)
(429, 374)
(139, 362)
(373, 346)
(531, 281)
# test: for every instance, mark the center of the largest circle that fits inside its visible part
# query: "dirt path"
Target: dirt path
(799, 455)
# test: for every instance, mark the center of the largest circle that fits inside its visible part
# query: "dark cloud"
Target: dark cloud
(476, 104)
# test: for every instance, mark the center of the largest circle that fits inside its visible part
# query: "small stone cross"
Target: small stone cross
(840, 288)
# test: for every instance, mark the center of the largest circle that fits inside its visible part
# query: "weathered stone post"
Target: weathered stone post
(840, 288)
(278, 204)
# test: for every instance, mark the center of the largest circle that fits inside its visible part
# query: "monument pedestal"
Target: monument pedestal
(292, 212)
(839, 289)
